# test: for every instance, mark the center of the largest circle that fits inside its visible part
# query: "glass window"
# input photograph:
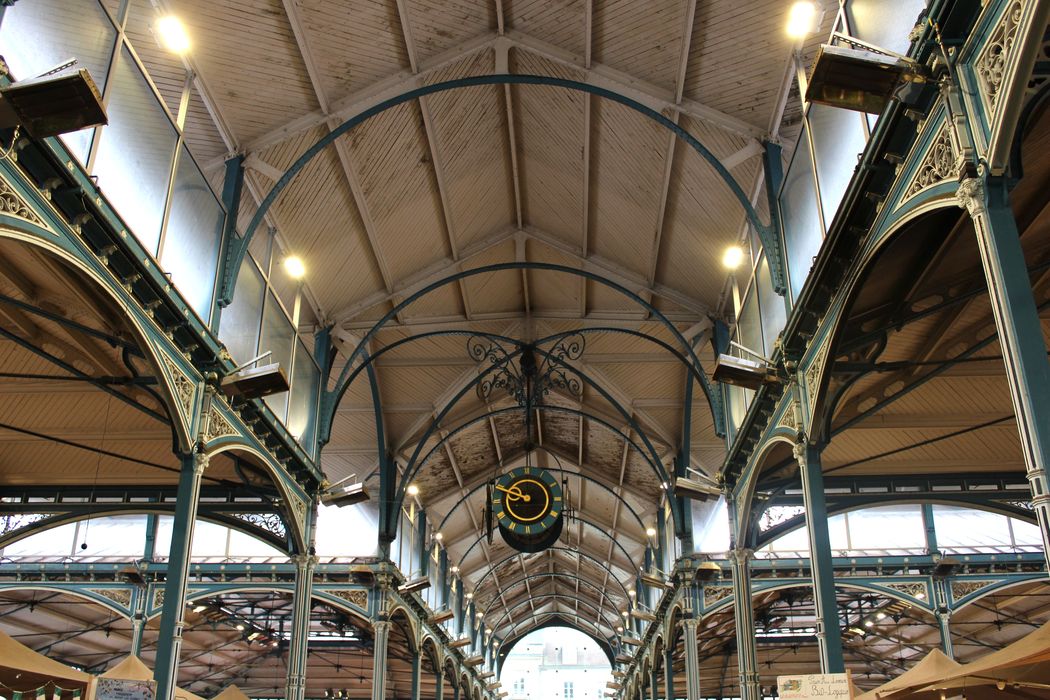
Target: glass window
(774, 313)
(887, 527)
(838, 138)
(333, 524)
(885, 23)
(277, 336)
(192, 237)
(798, 207)
(305, 382)
(965, 527)
(39, 35)
(239, 323)
(749, 325)
(133, 163)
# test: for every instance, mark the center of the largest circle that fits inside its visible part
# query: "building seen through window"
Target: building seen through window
(556, 662)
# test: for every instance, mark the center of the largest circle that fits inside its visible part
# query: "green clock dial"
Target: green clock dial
(527, 501)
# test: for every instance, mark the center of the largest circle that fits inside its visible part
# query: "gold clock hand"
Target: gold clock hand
(515, 493)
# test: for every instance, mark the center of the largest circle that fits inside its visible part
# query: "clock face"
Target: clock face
(527, 501)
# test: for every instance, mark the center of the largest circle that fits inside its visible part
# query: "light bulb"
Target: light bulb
(801, 19)
(294, 266)
(173, 34)
(733, 257)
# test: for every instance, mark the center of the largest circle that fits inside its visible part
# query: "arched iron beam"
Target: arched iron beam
(414, 465)
(599, 562)
(543, 408)
(237, 249)
(570, 619)
(331, 400)
(602, 613)
(795, 522)
(578, 518)
(545, 574)
(559, 470)
(229, 521)
(695, 372)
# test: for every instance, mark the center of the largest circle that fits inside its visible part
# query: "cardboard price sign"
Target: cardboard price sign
(822, 686)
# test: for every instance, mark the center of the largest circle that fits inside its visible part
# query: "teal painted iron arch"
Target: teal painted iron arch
(577, 518)
(237, 249)
(585, 477)
(331, 400)
(414, 464)
(506, 586)
(612, 576)
(603, 614)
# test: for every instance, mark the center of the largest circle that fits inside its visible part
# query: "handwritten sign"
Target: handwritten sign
(118, 689)
(826, 686)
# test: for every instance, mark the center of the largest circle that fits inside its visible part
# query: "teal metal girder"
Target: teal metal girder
(575, 518)
(331, 400)
(767, 232)
(350, 372)
(556, 548)
(414, 464)
(509, 585)
(601, 612)
(221, 514)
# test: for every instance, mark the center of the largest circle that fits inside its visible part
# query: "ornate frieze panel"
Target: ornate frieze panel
(217, 426)
(185, 388)
(12, 204)
(962, 589)
(940, 164)
(354, 597)
(993, 62)
(916, 590)
(120, 596)
(713, 594)
(270, 522)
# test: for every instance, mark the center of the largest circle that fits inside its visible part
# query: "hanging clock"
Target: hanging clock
(527, 503)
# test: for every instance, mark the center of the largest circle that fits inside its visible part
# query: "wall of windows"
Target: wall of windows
(817, 171)
(143, 165)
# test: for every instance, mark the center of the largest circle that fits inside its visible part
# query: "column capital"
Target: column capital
(307, 561)
(742, 555)
(970, 195)
(381, 625)
(689, 622)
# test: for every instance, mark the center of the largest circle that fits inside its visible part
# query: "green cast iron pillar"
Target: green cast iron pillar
(829, 633)
(1020, 331)
(169, 641)
(747, 660)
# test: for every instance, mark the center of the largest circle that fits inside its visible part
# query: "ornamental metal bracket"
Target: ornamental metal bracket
(526, 381)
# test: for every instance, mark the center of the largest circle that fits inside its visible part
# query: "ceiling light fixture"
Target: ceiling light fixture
(650, 532)
(454, 569)
(173, 34)
(733, 257)
(412, 490)
(438, 536)
(294, 266)
(801, 20)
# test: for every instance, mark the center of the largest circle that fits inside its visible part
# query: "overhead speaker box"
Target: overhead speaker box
(863, 81)
(697, 490)
(348, 495)
(441, 616)
(414, 586)
(738, 371)
(255, 382)
(55, 103)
